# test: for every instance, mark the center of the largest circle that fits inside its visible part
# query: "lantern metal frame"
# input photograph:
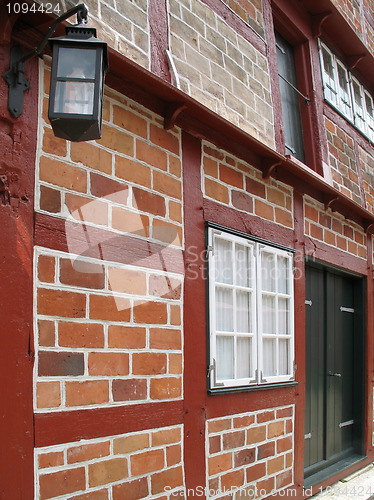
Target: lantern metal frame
(76, 34)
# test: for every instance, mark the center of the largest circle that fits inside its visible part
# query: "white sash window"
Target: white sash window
(250, 312)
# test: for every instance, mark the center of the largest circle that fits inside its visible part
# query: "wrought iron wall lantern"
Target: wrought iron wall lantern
(79, 63)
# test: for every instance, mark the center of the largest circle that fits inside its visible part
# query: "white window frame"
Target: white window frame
(256, 377)
(345, 101)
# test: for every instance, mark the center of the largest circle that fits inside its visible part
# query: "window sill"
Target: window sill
(227, 390)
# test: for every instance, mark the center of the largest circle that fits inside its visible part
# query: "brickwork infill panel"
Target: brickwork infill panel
(108, 311)
(143, 464)
(221, 69)
(236, 184)
(333, 229)
(250, 454)
(367, 165)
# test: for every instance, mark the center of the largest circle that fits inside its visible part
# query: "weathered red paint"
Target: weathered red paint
(159, 38)
(195, 374)
(69, 426)
(18, 144)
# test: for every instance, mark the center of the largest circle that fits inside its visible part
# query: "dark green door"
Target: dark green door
(334, 360)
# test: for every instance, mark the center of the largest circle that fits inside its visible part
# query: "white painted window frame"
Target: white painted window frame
(256, 377)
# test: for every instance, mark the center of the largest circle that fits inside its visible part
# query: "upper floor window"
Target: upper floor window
(251, 326)
(345, 92)
(290, 97)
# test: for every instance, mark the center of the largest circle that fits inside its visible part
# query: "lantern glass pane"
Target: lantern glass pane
(74, 97)
(76, 63)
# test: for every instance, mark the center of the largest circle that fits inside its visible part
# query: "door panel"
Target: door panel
(332, 359)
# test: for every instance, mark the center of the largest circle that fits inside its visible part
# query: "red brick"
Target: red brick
(115, 140)
(264, 210)
(341, 243)
(266, 450)
(175, 166)
(82, 274)
(93, 495)
(175, 211)
(107, 307)
(232, 479)
(90, 155)
(256, 434)
(166, 436)
(255, 472)
(86, 209)
(275, 465)
(219, 463)
(166, 388)
(129, 390)
(48, 395)
(164, 338)
(284, 479)
(133, 490)
(164, 286)
(175, 315)
(210, 167)
(108, 363)
(130, 221)
(107, 471)
(150, 312)
(242, 201)
(266, 416)
(149, 461)
(151, 155)
(214, 444)
(62, 483)
(213, 152)
(102, 186)
(234, 439)
(265, 486)
(164, 139)
(170, 477)
(175, 363)
(284, 444)
(133, 171)
(285, 412)
(337, 226)
(46, 268)
(87, 392)
(275, 196)
(230, 176)
(316, 232)
(149, 202)
(74, 334)
(60, 364)
(46, 333)
(311, 213)
(62, 174)
(173, 455)
(244, 421)
(127, 281)
(61, 303)
(129, 444)
(244, 457)
(167, 232)
(275, 429)
(126, 337)
(87, 452)
(283, 217)
(254, 187)
(130, 121)
(217, 191)
(149, 363)
(53, 459)
(166, 184)
(50, 200)
(219, 425)
(52, 144)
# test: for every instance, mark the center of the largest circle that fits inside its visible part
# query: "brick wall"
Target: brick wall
(221, 69)
(144, 464)
(367, 165)
(251, 452)
(250, 11)
(333, 229)
(343, 162)
(236, 184)
(108, 313)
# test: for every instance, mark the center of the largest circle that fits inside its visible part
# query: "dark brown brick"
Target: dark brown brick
(50, 200)
(242, 201)
(244, 457)
(82, 274)
(129, 390)
(52, 364)
(103, 186)
(149, 202)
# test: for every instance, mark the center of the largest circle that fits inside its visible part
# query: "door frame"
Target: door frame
(321, 471)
